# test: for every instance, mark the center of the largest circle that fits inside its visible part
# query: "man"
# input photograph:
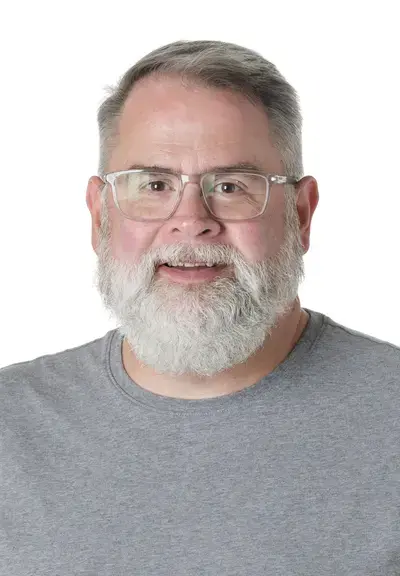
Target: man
(222, 429)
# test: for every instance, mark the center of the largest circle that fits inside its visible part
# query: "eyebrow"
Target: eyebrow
(228, 167)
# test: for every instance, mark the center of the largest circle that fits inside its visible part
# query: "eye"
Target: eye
(157, 186)
(227, 187)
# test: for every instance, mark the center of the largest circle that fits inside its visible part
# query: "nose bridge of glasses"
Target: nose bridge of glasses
(195, 191)
(194, 181)
(187, 179)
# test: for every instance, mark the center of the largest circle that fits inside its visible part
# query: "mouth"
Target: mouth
(188, 274)
(192, 266)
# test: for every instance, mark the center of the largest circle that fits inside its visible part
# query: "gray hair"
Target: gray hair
(215, 64)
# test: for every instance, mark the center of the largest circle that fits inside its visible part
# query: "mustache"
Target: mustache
(216, 254)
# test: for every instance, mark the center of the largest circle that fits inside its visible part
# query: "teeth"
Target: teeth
(186, 265)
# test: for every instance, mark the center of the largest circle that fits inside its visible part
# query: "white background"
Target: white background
(56, 58)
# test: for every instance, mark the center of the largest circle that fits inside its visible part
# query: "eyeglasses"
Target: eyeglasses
(151, 196)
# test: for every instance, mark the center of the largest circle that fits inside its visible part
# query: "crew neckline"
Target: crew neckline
(296, 358)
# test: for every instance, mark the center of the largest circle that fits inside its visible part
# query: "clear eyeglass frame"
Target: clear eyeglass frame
(270, 179)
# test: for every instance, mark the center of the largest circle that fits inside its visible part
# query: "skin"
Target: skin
(190, 130)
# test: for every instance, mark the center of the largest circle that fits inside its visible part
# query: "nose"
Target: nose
(192, 217)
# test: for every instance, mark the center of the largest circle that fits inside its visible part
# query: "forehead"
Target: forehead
(189, 128)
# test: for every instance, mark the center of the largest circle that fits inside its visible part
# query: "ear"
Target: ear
(307, 201)
(93, 201)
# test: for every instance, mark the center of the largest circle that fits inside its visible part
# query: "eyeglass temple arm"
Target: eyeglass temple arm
(275, 179)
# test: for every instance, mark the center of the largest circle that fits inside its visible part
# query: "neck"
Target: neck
(276, 347)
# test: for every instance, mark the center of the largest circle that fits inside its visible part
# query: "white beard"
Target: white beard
(203, 328)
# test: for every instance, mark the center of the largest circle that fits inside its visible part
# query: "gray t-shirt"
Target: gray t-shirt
(299, 474)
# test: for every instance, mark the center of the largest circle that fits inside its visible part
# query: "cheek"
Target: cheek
(250, 241)
(259, 241)
(274, 237)
(129, 241)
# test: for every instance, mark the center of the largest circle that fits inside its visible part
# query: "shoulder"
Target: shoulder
(358, 354)
(26, 385)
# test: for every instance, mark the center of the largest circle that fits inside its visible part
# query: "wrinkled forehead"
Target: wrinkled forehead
(162, 118)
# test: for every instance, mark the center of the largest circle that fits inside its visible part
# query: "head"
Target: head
(189, 107)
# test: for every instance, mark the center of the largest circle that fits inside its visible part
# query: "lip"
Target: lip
(192, 275)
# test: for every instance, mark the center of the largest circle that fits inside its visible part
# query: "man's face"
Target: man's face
(198, 327)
